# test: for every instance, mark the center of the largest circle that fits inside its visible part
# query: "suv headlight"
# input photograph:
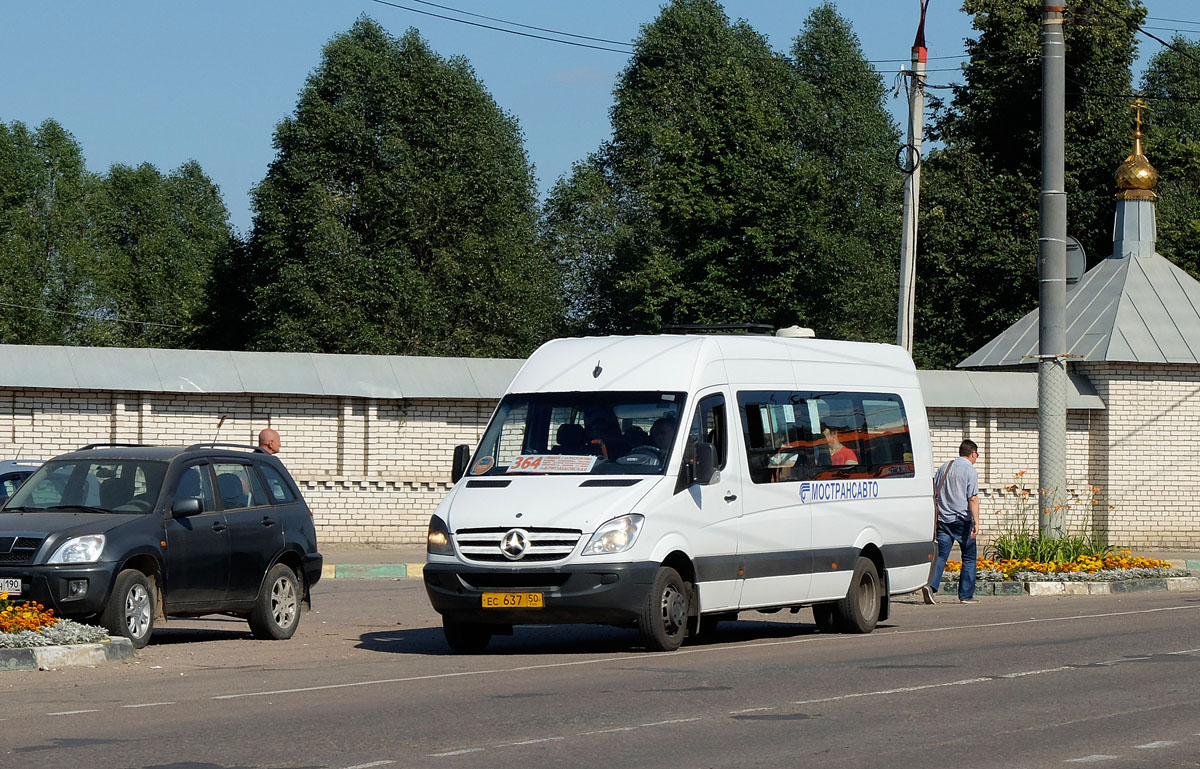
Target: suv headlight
(615, 536)
(85, 549)
(438, 541)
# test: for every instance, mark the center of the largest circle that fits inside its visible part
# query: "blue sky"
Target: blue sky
(164, 81)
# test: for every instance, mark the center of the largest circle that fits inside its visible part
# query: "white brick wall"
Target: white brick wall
(374, 469)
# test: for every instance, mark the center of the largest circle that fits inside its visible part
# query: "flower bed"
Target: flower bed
(28, 623)
(1111, 567)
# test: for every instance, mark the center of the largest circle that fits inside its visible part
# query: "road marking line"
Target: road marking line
(73, 712)
(616, 728)
(1038, 672)
(533, 742)
(748, 710)
(609, 731)
(1123, 659)
(1089, 759)
(1157, 744)
(901, 690)
(672, 721)
(385, 762)
(456, 752)
(706, 650)
(156, 704)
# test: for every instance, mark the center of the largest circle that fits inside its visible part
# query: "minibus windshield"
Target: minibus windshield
(584, 433)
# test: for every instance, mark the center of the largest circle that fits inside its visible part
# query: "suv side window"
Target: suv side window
(277, 488)
(195, 482)
(238, 486)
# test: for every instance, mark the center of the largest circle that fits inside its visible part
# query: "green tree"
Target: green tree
(854, 139)
(399, 215)
(44, 189)
(154, 241)
(739, 186)
(1171, 84)
(991, 134)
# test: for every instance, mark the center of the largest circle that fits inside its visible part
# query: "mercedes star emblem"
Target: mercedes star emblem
(514, 544)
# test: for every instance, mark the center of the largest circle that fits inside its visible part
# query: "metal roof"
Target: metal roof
(212, 371)
(999, 390)
(1134, 308)
(394, 376)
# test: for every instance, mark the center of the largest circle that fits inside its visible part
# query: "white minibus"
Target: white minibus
(669, 482)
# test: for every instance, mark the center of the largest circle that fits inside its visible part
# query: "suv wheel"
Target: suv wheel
(130, 609)
(276, 613)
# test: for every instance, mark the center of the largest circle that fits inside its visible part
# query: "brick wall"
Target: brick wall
(374, 469)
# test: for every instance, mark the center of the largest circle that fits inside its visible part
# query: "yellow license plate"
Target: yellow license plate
(512, 601)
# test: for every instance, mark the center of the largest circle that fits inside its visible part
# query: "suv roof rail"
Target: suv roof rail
(215, 444)
(113, 446)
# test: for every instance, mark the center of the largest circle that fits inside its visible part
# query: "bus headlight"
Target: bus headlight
(615, 536)
(438, 541)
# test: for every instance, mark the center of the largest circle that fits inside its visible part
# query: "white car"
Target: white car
(12, 473)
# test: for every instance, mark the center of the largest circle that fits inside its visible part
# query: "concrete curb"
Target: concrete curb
(372, 571)
(1051, 587)
(51, 657)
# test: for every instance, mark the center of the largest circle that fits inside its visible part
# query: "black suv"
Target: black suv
(130, 534)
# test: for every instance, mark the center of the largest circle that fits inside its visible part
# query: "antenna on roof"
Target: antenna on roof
(220, 422)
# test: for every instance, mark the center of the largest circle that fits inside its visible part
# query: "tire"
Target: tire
(858, 612)
(130, 609)
(466, 637)
(823, 615)
(663, 624)
(276, 612)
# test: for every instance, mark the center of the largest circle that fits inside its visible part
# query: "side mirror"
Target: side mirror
(185, 506)
(462, 455)
(704, 468)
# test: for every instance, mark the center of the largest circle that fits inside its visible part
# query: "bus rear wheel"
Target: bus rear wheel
(858, 612)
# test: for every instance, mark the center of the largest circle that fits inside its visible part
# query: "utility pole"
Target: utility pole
(912, 188)
(1052, 280)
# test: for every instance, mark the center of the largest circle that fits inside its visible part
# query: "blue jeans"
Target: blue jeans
(947, 535)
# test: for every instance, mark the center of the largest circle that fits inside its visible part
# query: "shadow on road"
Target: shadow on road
(578, 639)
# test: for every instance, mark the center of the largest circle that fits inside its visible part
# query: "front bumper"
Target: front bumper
(601, 593)
(48, 585)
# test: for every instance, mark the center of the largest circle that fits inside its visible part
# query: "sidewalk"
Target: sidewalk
(407, 561)
(372, 561)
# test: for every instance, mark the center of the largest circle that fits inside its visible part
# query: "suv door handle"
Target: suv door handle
(218, 526)
(730, 497)
(266, 521)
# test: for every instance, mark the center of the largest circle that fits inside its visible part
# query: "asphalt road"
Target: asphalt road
(368, 682)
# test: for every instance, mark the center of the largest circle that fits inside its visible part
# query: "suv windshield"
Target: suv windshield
(122, 486)
(581, 433)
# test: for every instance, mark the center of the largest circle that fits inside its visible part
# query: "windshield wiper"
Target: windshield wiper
(82, 508)
(23, 509)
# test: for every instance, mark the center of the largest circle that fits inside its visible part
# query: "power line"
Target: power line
(566, 34)
(500, 29)
(89, 317)
(518, 24)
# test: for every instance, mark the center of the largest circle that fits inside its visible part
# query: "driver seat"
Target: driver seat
(116, 491)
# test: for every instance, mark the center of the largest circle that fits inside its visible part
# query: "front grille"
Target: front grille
(483, 545)
(516, 580)
(18, 549)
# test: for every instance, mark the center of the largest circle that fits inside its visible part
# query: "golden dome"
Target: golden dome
(1136, 177)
